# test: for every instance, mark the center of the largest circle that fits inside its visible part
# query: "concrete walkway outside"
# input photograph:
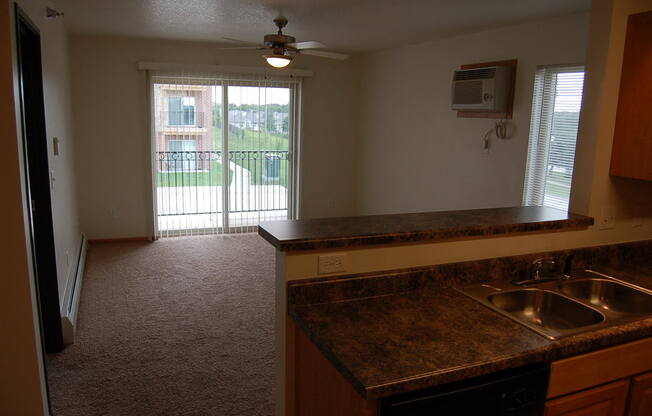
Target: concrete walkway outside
(201, 207)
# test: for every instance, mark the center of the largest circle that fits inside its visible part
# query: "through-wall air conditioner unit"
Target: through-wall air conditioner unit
(481, 89)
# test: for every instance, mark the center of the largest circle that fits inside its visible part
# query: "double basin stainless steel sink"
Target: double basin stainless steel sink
(556, 309)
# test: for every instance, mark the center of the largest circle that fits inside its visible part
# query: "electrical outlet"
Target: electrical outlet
(331, 263)
(607, 218)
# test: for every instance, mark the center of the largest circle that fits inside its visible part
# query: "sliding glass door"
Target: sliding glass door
(258, 143)
(225, 152)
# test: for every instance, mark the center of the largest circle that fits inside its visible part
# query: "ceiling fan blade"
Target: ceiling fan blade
(311, 44)
(242, 48)
(325, 54)
(240, 41)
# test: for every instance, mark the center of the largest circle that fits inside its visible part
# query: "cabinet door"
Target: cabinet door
(607, 400)
(640, 400)
(632, 147)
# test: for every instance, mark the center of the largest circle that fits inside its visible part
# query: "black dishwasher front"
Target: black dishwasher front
(517, 392)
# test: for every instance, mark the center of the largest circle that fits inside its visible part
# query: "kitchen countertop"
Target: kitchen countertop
(407, 341)
(326, 233)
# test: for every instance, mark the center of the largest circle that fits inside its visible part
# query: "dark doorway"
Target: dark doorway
(38, 179)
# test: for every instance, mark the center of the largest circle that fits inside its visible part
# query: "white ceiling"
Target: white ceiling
(346, 25)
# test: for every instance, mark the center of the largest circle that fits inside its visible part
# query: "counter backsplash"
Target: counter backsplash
(331, 289)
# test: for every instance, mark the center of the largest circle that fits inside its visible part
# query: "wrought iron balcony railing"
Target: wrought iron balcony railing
(193, 182)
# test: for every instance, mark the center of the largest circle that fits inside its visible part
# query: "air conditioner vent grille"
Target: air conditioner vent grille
(480, 73)
(469, 92)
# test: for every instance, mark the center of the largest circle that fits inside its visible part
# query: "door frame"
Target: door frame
(293, 148)
(37, 185)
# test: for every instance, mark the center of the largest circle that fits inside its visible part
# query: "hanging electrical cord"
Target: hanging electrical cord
(499, 130)
(485, 140)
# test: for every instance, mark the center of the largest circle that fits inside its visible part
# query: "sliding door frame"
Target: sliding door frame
(151, 159)
(294, 84)
(225, 159)
(295, 141)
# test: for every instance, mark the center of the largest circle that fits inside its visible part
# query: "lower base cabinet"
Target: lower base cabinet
(640, 402)
(607, 400)
(631, 397)
(615, 381)
(320, 390)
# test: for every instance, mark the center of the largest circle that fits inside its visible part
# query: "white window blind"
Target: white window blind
(553, 133)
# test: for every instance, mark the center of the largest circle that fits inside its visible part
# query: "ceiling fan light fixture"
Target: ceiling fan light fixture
(278, 61)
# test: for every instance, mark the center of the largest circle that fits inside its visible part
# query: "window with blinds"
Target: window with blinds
(553, 133)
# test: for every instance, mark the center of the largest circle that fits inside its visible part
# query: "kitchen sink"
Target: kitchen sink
(609, 295)
(556, 309)
(545, 309)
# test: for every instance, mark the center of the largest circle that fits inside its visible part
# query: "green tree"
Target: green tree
(217, 115)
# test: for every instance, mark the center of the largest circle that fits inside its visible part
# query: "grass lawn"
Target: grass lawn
(557, 184)
(242, 139)
(258, 170)
(250, 140)
(557, 190)
(212, 178)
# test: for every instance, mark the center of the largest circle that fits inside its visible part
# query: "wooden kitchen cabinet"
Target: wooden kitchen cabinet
(599, 367)
(631, 155)
(607, 400)
(640, 399)
(608, 382)
(320, 389)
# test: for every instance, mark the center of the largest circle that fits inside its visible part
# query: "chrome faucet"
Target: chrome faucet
(541, 266)
(544, 271)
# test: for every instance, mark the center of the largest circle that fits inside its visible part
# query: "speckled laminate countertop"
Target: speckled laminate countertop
(326, 233)
(407, 341)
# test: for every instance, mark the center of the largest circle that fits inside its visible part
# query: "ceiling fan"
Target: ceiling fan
(284, 47)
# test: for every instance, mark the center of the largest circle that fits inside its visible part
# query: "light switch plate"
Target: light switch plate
(331, 263)
(55, 146)
(607, 218)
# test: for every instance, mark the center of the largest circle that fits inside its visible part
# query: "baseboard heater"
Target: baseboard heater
(70, 304)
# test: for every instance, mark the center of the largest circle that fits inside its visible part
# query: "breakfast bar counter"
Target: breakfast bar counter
(370, 230)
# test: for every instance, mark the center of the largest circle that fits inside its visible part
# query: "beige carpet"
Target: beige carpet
(181, 326)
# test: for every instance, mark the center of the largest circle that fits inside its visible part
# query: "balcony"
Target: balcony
(191, 190)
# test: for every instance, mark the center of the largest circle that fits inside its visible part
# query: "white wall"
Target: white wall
(414, 154)
(593, 188)
(379, 135)
(111, 113)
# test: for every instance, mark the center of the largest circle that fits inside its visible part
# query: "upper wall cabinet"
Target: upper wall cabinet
(631, 156)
